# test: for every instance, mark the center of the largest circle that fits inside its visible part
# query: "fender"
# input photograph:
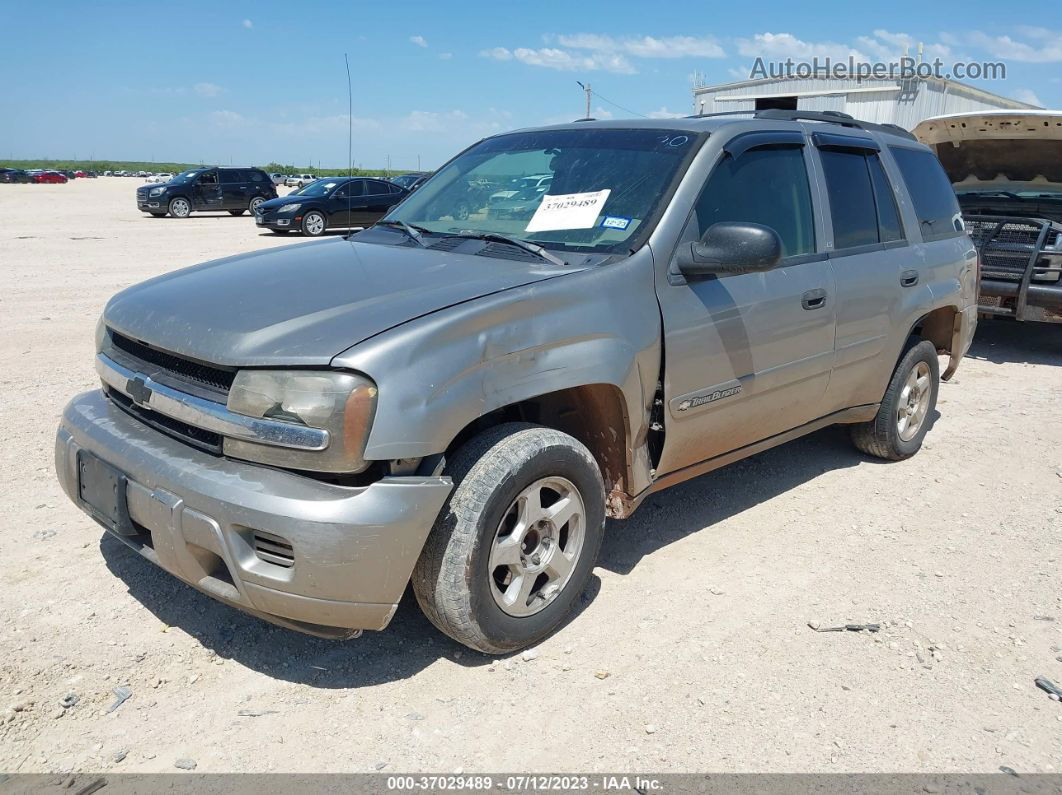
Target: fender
(438, 373)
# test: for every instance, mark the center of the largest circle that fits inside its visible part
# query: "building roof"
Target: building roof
(843, 85)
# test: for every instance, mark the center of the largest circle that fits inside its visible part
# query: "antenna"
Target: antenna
(350, 141)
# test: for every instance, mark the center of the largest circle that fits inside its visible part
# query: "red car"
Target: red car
(50, 176)
(80, 174)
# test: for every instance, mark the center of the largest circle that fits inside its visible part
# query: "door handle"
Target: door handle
(909, 278)
(813, 299)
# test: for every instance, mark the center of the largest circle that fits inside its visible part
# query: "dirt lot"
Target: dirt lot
(691, 649)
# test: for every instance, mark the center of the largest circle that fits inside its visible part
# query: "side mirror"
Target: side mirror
(730, 248)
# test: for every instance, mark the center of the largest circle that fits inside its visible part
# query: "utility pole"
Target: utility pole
(588, 91)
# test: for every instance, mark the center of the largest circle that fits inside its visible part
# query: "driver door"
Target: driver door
(748, 355)
(207, 192)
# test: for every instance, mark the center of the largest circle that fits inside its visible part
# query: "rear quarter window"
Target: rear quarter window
(931, 192)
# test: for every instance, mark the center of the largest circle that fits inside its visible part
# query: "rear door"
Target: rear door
(748, 356)
(872, 264)
(378, 200)
(233, 188)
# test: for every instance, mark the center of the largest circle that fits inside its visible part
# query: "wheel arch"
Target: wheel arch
(594, 414)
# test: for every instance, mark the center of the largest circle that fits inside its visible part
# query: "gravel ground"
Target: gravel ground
(690, 650)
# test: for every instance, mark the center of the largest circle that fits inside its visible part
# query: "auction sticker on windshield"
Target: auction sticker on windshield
(568, 211)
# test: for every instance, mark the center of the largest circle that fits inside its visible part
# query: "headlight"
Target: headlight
(156, 191)
(289, 208)
(341, 403)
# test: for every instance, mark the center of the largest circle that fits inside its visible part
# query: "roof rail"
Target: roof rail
(828, 116)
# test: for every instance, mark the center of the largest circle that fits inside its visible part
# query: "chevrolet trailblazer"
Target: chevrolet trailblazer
(460, 400)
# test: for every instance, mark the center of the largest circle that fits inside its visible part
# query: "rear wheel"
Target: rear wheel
(514, 547)
(255, 202)
(180, 207)
(313, 224)
(903, 418)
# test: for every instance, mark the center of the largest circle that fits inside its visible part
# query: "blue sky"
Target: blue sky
(253, 82)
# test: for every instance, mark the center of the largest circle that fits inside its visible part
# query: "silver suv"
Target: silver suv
(460, 399)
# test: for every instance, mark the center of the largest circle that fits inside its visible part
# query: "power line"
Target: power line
(616, 104)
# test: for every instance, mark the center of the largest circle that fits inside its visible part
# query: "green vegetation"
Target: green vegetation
(133, 165)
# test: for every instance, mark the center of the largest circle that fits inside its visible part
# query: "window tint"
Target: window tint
(374, 187)
(889, 226)
(934, 200)
(256, 176)
(766, 186)
(394, 188)
(355, 188)
(855, 219)
(230, 175)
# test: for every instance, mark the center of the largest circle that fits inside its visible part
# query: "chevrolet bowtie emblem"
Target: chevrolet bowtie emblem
(138, 389)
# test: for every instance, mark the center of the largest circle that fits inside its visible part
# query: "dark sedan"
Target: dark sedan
(330, 203)
(14, 175)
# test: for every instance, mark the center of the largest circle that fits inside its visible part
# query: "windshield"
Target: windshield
(321, 187)
(185, 176)
(575, 190)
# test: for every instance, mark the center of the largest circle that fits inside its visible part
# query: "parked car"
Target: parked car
(54, 177)
(331, 203)
(278, 179)
(521, 204)
(407, 181)
(213, 189)
(299, 181)
(1006, 167)
(521, 184)
(301, 431)
(159, 178)
(11, 175)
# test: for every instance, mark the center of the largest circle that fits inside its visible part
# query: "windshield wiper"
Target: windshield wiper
(512, 241)
(414, 233)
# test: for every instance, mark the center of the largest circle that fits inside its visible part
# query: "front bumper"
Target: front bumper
(274, 222)
(201, 518)
(1022, 300)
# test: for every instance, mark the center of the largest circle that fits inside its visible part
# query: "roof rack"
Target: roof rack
(828, 116)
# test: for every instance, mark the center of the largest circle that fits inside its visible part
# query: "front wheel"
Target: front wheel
(313, 224)
(514, 547)
(180, 207)
(903, 418)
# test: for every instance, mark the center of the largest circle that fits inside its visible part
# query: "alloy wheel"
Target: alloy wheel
(536, 546)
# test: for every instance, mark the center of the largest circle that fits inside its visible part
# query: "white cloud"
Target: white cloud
(563, 60)
(646, 46)
(445, 56)
(247, 24)
(228, 118)
(1028, 95)
(664, 113)
(208, 89)
(1042, 45)
(600, 113)
(420, 41)
(779, 46)
(497, 53)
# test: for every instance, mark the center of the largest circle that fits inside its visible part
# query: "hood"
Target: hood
(303, 304)
(998, 150)
(277, 203)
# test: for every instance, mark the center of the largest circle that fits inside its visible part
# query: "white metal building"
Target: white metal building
(884, 101)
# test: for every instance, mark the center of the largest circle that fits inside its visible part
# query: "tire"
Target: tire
(180, 207)
(235, 212)
(474, 571)
(903, 418)
(462, 211)
(314, 224)
(254, 204)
